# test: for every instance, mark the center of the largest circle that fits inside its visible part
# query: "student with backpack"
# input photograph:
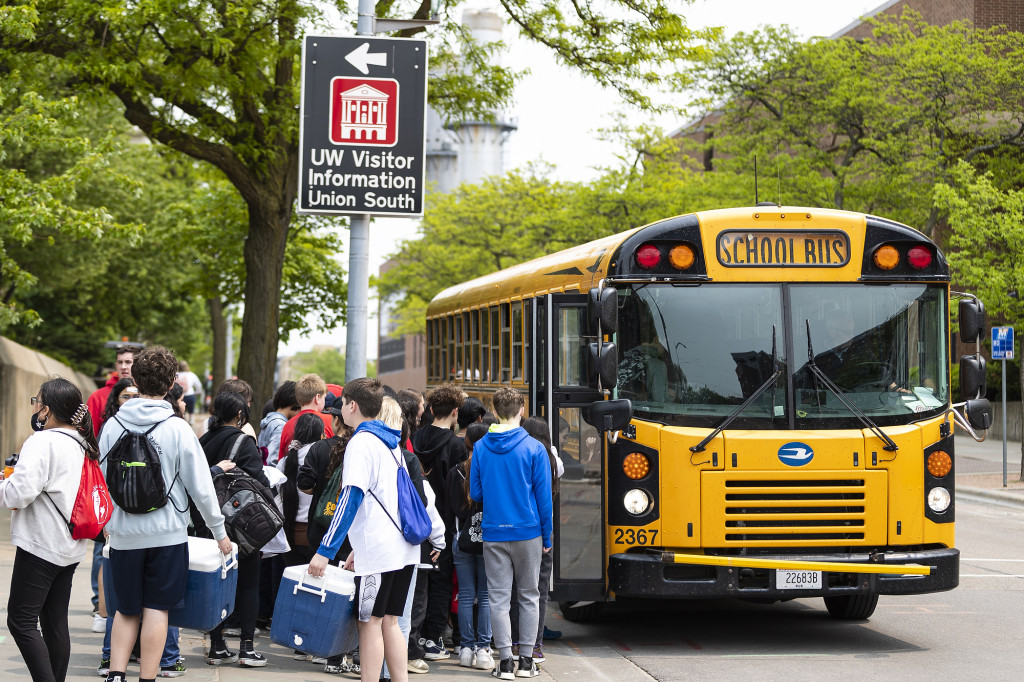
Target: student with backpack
(384, 557)
(468, 552)
(225, 444)
(154, 463)
(43, 491)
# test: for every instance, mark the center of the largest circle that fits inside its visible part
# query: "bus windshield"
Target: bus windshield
(690, 354)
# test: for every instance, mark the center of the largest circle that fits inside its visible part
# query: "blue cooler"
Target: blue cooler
(210, 591)
(316, 615)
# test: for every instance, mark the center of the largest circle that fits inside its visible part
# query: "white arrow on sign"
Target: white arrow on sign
(361, 57)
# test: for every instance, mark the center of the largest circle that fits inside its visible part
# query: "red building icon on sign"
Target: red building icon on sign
(364, 111)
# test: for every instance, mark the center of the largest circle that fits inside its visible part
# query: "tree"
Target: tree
(328, 363)
(988, 242)
(218, 82)
(867, 125)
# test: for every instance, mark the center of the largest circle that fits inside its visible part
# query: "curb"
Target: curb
(1005, 497)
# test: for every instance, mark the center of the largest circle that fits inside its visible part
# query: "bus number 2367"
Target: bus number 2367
(629, 536)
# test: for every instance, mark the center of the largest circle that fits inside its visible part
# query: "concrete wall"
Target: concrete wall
(1013, 421)
(22, 371)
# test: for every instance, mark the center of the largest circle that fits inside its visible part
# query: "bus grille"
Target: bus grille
(815, 510)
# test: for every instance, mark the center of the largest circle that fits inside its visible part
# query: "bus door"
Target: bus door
(579, 540)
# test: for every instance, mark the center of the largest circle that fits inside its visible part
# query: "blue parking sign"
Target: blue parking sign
(1002, 343)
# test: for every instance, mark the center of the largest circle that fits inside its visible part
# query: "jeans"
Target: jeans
(472, 587)
(40, 593)
(94, 574)
(171, 652)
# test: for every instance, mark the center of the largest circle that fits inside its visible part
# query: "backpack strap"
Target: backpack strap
(59, 512)
(234, 449)
(385, 509)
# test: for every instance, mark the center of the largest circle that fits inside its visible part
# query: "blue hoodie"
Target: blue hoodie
(511, 476)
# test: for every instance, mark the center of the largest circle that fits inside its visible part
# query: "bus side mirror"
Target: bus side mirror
(972, 319)
(979, 413)
(972, 377)
(608, 415)
(603, 309)
(604, 365)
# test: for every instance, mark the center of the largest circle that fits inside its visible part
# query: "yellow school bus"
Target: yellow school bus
(749, 403)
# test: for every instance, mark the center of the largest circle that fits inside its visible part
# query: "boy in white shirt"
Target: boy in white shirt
(383, 560)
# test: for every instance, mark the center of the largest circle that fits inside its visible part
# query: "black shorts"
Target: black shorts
(152, 578)
(383, 594)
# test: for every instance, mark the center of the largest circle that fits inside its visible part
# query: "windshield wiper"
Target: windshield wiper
(770, 383)
(890, 445)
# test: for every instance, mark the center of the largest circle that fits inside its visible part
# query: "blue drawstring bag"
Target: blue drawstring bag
(415, 522)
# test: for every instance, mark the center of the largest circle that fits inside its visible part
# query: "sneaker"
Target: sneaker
(538, 653)
(332, 669)
(466, 657)
(318, 660)
(221, 656)
(103, 669)
(301, 656)
(251, 659)
(505, 670)
(435, 651)
(527, 668)
(232, 632)
(552, 634)
(121, 677)
(482, 659)
(418, 665)
(515, 650)
(176, 669)
(99, 623)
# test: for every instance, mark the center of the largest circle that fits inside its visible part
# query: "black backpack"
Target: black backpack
(251, 517)
(134, 477)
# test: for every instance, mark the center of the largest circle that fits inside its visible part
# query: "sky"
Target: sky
(559, 113)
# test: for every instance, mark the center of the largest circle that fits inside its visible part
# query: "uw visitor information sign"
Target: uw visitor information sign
(362, 131)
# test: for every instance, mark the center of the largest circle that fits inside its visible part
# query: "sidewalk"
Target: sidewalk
(564, 656)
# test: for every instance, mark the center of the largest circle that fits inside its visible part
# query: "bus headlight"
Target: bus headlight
(636, 502)
(938, 499)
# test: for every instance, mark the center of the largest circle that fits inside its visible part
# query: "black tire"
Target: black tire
(581, 614)
(852, 607)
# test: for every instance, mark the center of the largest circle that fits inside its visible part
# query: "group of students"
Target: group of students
(488, 494)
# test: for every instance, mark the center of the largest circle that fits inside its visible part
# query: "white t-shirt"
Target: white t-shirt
(378, 545)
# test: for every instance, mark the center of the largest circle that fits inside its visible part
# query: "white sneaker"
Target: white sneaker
(482, 659)
(466, 657)
(319, 660)
(99, 623)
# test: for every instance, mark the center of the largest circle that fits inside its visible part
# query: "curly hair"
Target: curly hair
(445, 399)
(154, 370)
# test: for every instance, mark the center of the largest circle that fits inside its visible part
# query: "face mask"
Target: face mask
(37, 423)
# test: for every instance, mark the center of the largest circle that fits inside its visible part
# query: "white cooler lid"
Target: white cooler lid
(336, 579)
(204, 554)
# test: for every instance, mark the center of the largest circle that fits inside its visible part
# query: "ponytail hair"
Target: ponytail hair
(65, 400)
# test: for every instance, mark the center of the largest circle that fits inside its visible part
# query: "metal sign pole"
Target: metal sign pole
(1004, 423)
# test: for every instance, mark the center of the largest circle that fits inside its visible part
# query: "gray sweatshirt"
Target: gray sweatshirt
(181, 455)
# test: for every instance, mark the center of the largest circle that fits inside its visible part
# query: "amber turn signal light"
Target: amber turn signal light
(887, 257)
(939, 464)
(636, 466)
(681, 257)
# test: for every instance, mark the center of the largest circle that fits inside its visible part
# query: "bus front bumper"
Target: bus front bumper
(697, 576)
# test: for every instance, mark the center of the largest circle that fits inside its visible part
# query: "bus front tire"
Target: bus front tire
(852, 607)
(588, 613)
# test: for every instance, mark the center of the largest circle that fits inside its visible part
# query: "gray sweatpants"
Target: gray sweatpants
(520, 559)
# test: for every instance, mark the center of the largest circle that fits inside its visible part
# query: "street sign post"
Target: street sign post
(1002, 349)
(363, 121)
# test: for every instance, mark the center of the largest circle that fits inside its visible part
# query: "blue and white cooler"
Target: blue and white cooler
(210, 591)
(316, 615)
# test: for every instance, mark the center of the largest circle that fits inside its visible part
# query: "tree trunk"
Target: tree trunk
(269, 218)
(219, 326)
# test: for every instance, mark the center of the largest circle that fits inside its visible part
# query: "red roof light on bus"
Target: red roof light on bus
(648, 256)
(919, 257)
